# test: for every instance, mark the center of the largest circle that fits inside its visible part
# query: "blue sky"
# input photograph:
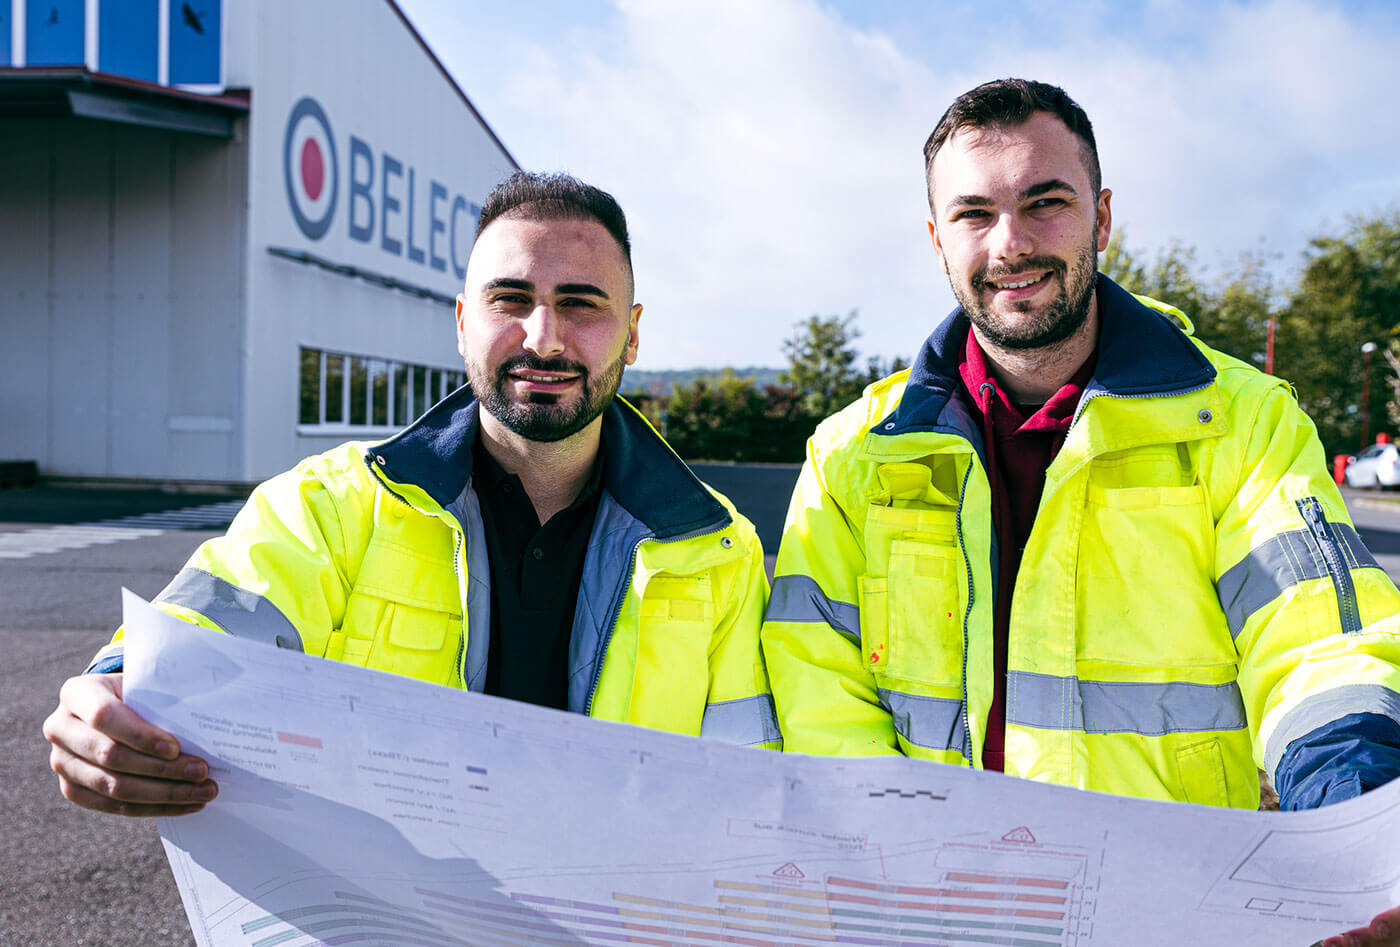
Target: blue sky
(767, 152)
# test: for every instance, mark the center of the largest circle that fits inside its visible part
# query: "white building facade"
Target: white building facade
(230, 236)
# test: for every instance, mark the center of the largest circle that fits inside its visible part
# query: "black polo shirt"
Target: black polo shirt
(535, 574)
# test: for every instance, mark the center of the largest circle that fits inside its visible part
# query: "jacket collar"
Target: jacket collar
(640, 470)
(1140, 352)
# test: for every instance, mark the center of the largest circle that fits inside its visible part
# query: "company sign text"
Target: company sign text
(386, 202)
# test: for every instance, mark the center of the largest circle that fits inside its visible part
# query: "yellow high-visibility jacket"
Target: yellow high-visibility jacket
(1192, 600)
(374, 554)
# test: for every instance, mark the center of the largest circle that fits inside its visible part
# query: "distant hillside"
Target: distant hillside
(664, 382)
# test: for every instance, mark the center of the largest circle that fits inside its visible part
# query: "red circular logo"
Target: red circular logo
(309, 168)
(313, 169)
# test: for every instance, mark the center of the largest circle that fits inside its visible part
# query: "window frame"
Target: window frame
(441, 379)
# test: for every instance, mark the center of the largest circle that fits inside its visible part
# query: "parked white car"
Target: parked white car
(1376, 466)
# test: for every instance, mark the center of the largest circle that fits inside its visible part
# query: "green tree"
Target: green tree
(652, 406)
(786, 426)
(1169, 277)
(731, 418)
(1231, 315)
(822, 363)
(877, 368)
(1390, 352)
(1120, 264)
(1348, 295)
(1236, 312)
(715, 419)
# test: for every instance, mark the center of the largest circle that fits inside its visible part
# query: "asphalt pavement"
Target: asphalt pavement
(68, 876)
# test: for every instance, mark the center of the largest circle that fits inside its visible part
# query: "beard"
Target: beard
(543, 416)
(1057, 321)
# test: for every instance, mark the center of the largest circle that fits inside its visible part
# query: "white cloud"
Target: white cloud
(768, 157)
(768, 153)
(1252, 128)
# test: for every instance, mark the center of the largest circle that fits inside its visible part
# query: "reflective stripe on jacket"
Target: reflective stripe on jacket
(374, 554)
(1192, 598)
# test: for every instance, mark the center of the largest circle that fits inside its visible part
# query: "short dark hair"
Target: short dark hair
(531, 195)
(1011, 102)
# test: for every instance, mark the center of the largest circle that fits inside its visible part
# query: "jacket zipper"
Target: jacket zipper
(1146, 394)
(622, 594)
(1347, 607)
(967, 616)
(457, 546)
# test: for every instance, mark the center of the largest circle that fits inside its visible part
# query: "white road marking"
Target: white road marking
(45, 539)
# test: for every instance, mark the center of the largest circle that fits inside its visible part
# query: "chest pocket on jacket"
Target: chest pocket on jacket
(677, 599)
(403, 615)
(670, 683)
(1145, 588)
(913, 596)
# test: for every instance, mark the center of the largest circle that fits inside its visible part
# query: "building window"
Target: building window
(335, 389)
(420, 387)
(310, 410)
(378, 392)
(359, 391)
(403, 395)
(356, 391)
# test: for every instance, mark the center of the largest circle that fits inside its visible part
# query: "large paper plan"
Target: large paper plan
(358, 807)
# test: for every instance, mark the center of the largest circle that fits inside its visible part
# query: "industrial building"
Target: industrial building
(231, 233)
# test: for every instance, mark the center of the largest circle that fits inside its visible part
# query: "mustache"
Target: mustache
(530, 362)
(996, 274)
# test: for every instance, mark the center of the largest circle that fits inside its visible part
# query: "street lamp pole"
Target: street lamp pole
(1366, 349)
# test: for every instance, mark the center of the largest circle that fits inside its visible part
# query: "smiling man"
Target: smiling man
(1072, 543)
(531, 536)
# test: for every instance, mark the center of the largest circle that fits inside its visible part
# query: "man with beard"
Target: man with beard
(531, 536)
(1071, 543)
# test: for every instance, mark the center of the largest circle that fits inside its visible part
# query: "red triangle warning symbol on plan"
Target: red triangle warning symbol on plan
(789, 871)
(1019, 834)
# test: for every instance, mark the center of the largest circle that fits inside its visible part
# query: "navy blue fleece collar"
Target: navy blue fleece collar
(1140, 352)
(639, 470)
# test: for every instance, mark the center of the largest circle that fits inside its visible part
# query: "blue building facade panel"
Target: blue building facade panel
(128, 38)
(195, 47)
(53, 32)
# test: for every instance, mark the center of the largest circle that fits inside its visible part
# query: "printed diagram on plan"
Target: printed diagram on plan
(1280, 875)
(762, 881)
(357, 807)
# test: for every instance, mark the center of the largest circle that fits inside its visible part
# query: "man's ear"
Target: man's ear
(632, 321)
(1105, 219)
(937, 244)
(461, 326)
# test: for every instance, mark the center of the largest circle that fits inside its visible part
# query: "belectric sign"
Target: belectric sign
(311, 171)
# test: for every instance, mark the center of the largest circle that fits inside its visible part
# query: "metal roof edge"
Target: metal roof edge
(238, 100)
(452, 82)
